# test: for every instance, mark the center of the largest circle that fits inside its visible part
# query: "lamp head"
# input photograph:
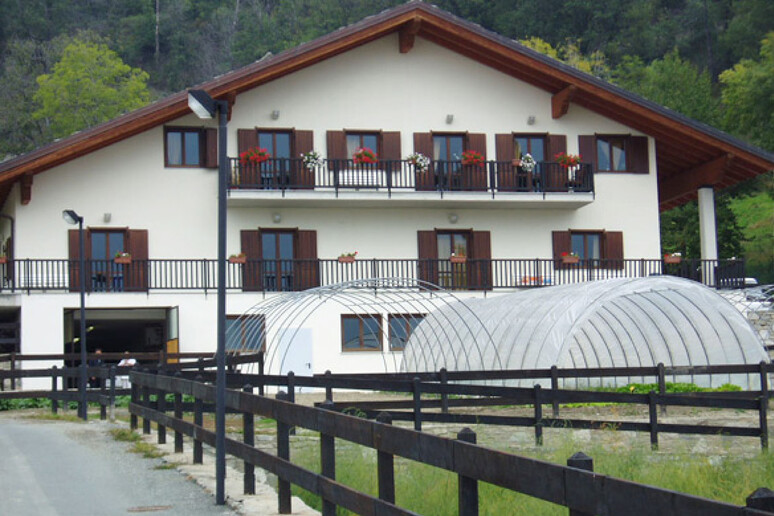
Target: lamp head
(200, 102)
(71, 217)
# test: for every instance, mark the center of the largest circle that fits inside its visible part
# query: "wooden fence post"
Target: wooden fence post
(653, 412)
(764, 380)
(662, 385)
(467, 488)
(112, 380)
(554, 388)
(763, 406)
(385, 465)
(178, 408)
(103, 376)
(291, 394)
(146, 423)
(328, 388)
(538, 415)
(328, 461)
(198, 452)
(161, 406)
(283, 452)
(444, 396)
(761, 499)
(13, 368)
(582, 461)
(135, 397)
(248, 433)
(417, 390)
(54, 383)
(262, 385)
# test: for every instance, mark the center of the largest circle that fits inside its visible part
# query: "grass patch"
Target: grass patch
(168, 465)
(719, 474)
(147, 450)
(125, 435)
(72, 418)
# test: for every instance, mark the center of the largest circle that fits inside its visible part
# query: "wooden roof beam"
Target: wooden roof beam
(26, 188)
(708, 174)
(407, 35)
(560, 102)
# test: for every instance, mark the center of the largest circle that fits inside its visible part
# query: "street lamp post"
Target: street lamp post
(73, 218)
(201, 103)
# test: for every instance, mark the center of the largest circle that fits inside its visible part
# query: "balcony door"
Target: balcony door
(275, 172)
(436, 266)
(105, 274)
(279, 260)
(277, 255)
(452, 275)
(284, 169)
(447, 171)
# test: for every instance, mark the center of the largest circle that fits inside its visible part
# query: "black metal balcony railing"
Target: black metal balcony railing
(400, 175)
(27, 275)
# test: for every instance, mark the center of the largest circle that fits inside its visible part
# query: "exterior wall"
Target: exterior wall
(373, 87)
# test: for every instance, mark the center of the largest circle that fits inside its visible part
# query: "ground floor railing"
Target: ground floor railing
(28, 275)
(572, 486)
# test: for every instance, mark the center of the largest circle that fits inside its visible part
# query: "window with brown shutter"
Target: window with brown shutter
(456, 259)
(190, 147)
(621, 153)
(595, 247)
(285, 168)
(103, 272)
(279, 259)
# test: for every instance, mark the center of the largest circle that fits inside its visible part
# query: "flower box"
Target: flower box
(458, 259)
(123, 260)
(569, 259)
(237, 259)
(672, 259)
(346, 259)
(3, 259)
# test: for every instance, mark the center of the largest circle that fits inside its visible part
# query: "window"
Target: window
(586, 245)
(452, 275)
(435, 265)
(103, 274)
(611, 153)
(277, 143)
(183, 147)
(356, 141)
(361, 332)
(277, 254)
(401, 326)
(534, 145)
(245, 333)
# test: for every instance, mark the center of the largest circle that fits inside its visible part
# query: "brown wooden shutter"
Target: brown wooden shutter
(562, 243)
(638, 155)
(337, 145)
(614, 249)
(475, 177)
(423, 144)
(505, 152)
(135, 273)
(587, 144)
(250, 240)
(307, 270)
(555, 176)
(428, 256)
(249, 175)
(480, 260)
(211, 148)
(303, 142)
(391, 148)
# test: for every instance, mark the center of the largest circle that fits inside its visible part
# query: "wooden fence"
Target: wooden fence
(583, 492)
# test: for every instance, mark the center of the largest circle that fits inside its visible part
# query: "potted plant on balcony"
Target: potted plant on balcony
(311, 159)
(673, 258)
(347, 257)
(254, 156)
(364, 155)
(458, 258)
(471, 157)
(419, 161)
(3, 259)
(570, 258)
(568, 161)
(238, 258)
(122, 257)
(527, 163)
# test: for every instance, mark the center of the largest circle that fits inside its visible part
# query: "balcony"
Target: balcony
(396, 179)
(105, 276)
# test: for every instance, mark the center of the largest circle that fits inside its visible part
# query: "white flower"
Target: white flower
(528, 163)
(312, 159)
(419, 160)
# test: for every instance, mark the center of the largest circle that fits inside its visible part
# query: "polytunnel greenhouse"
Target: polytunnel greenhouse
(612, 323)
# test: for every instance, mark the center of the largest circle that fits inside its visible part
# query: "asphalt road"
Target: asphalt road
(64, 468)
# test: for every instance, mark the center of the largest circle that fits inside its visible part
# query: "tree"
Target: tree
(748, 96)
(89, 85)
(570, 53)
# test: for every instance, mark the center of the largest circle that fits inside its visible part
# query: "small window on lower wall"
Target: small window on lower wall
(361, 332)
(401, 326)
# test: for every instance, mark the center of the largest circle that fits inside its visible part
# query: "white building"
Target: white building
(411, 79)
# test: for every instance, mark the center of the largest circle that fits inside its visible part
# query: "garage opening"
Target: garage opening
(116, 330)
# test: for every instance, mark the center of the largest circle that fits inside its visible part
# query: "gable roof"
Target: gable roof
(690, 154)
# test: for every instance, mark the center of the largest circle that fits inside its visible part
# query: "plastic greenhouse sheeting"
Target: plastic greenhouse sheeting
(611, 323)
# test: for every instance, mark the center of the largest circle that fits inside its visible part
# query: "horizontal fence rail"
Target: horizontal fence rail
(492, 177)
(572, 486)
(34, 275)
